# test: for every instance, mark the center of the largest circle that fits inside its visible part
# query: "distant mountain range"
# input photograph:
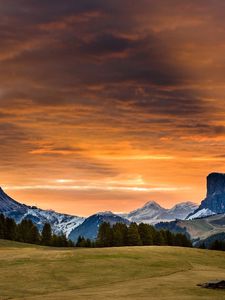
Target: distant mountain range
(183, 217)
(73, 226)
(153, 213)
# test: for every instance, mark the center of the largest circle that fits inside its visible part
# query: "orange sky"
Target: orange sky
(105, 105)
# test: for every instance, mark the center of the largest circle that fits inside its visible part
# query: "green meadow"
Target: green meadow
(34, 272)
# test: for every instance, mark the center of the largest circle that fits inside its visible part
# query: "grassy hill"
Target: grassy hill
(32, 272)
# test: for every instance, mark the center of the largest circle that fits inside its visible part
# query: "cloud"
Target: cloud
(102, 88)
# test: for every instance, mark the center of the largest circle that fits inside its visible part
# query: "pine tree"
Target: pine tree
(133, 236)
(27, 232)
(34, 235)
(218, 245)
(202, 246)
(88, 243)
(146, 234)
(2, 226)
(10, 229)
(119, 234)
(46, 234)
(169, 238)
(158, 238)
(104, 238)
(80, 241)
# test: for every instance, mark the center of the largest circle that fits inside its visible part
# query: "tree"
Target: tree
(46, 235)
(2, 226)
(104, 238)
(158, 238)
(27, 232)
(80, 241)
(119, 235)
(10, 229)
(146, 234)
(34, 235)
(169, 238)
(218, 245)
(202, 246)
(182, 241)
(133, 236)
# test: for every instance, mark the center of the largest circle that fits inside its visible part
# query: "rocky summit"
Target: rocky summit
(214, 203)
(215, 198)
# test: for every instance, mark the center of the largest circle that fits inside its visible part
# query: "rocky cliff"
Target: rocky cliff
(215, 198)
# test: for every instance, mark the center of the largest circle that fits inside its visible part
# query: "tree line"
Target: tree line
(108, 236)
(215, 245)
(133, 235)
(27, 232)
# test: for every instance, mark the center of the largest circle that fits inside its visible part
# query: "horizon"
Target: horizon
(105, 105)
(97, 212)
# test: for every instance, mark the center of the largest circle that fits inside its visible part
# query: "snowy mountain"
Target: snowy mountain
(153, 213)
(89, 228)
(73, 226)
(181, 210)
(147, 214)
(60, 223)
(204, 212)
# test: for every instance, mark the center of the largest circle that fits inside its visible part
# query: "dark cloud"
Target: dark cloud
(83, 81)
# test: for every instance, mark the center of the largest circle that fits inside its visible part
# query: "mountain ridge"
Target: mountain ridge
(152, 213)
(60, 223)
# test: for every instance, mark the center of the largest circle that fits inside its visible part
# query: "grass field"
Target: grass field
(32, 272)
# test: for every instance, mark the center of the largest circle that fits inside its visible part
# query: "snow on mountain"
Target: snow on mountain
(60, 223)
(89, 228)
(147, 214)
(153, 213)
(204, 212)
(181, 210)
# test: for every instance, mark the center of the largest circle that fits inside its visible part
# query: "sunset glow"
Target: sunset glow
(105, 105)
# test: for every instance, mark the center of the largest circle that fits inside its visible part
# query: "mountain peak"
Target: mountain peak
(215, 196)
(185, 204)
(105, 213)
(8, 204)
(152, 203)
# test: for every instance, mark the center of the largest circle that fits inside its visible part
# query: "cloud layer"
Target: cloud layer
(109, 90)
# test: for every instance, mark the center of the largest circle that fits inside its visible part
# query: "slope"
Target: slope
(163, 273)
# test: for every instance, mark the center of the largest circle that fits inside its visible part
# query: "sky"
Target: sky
(105, 105)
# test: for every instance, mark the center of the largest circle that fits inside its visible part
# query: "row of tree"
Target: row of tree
(133, 235)
(27, 232)
(108, 236)
(215, 245)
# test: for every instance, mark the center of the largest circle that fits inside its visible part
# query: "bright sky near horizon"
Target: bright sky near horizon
(105, 105)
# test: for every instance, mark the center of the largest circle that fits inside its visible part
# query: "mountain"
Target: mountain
(8, 205)
(202, 213)
(198, 229)
(147, 214)
(180, 210)
(153, 213)
(214, 203)
(60, 223)
(89, 228)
